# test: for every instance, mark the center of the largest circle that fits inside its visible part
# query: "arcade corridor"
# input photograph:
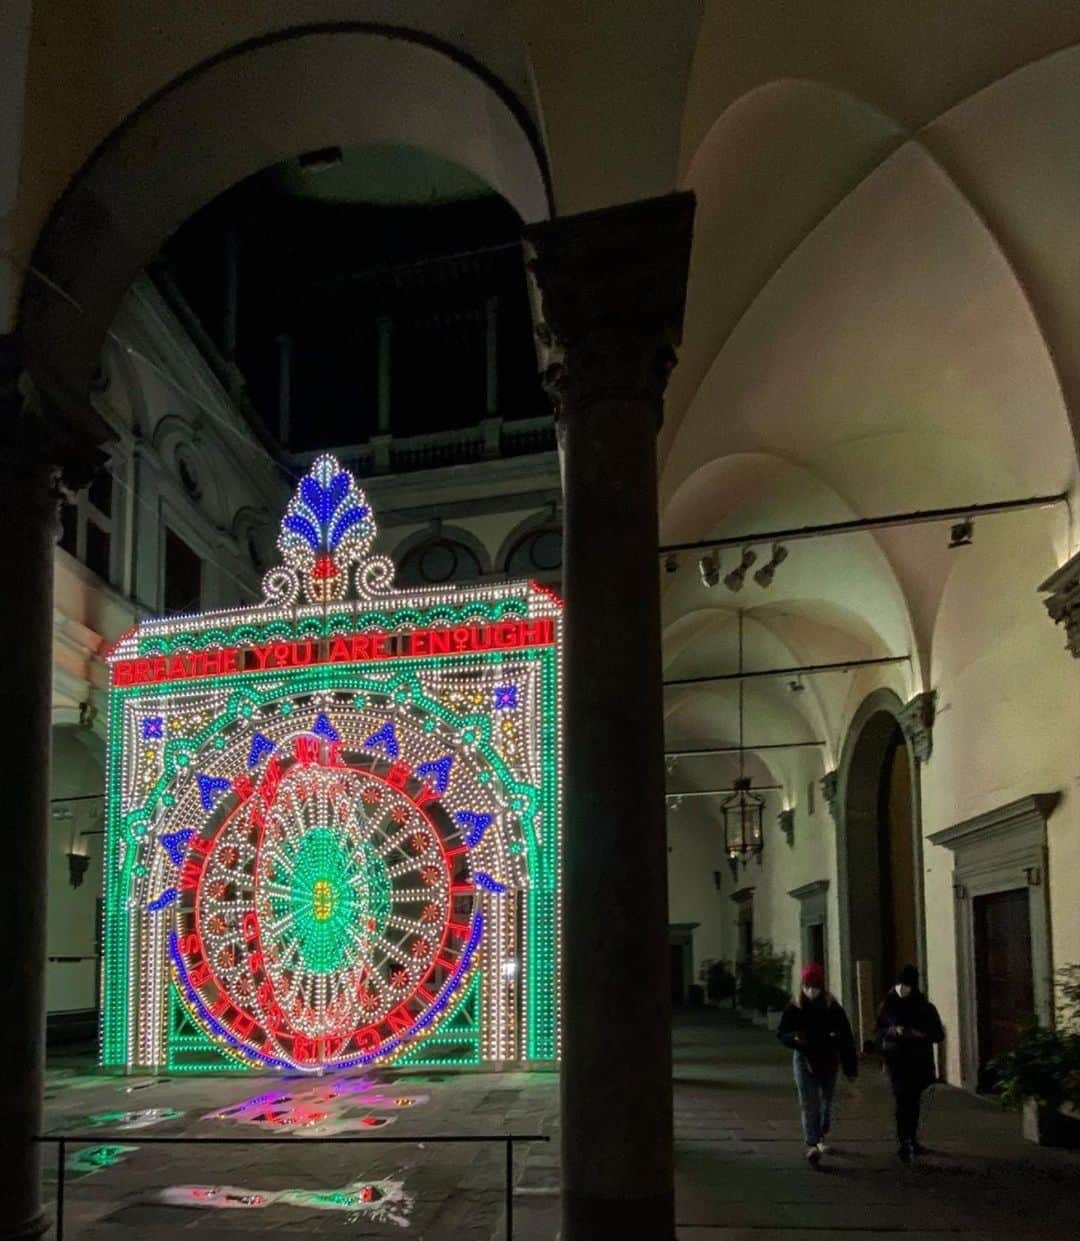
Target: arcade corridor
(739, 1167)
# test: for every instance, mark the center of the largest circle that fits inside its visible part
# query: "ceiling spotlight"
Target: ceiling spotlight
(709, 568)
(670, 763)
(674, 802)
(737, 576)
(796, 686)
(764, 575)
(671, 563)
(962, 534)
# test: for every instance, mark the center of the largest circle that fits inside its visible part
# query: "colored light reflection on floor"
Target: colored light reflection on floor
(142, 1119)
(383, 1201)
(90, 1159)
(337, 1105)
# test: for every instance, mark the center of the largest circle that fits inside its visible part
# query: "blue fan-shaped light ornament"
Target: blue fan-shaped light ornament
(327, 526)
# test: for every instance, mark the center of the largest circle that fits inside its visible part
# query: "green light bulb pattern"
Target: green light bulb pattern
(328, 892)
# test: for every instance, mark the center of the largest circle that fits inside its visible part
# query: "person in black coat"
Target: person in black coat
(908, 1027)
(818, 1032)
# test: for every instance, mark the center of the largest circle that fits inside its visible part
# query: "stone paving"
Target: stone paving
(739, 1165)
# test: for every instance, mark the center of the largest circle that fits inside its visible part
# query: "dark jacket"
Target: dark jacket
(909, 1058)
(821, 1033)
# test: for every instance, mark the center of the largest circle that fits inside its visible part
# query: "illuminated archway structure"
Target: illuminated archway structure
(333, 832)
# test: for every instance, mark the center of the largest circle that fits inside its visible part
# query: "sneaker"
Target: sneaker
(813, 1155)
(905, 1152)
(824, 1148)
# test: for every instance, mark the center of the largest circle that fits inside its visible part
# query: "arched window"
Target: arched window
(539, 551)
(438, 561)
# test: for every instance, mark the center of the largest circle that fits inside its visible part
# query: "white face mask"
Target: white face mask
(903, 990)
(811, 993)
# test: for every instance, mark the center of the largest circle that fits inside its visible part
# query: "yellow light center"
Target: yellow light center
(322, 899)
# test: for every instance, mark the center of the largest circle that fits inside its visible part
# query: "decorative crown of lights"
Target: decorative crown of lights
(325, 540)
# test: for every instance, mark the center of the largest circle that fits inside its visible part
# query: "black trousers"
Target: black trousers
(908, 1096)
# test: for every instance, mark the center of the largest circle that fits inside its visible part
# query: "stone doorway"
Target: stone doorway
(879, 853)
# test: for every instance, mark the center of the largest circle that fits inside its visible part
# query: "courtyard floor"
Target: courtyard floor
(739, 1164)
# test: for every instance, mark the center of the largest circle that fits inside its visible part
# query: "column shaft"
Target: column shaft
(28, 517)
(611, 287)
(616, 1070)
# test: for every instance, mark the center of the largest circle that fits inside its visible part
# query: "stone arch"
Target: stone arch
(879, 844)
(347, 84)
(443, 534)
(548, 519)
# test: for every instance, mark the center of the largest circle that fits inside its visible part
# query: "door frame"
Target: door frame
(813, 911)
(681, 935)
(999, 851)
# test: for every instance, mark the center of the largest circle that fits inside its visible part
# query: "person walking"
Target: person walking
(818, 1032)
(908, 1027)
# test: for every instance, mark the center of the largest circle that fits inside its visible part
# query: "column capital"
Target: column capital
(1062, 589)
(830, 789)
(31, 439)
(916, 719)
(609, 289)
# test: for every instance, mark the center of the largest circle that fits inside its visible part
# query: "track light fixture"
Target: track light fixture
(737, 577)
(709, 568)
(764, 575)
(962, 534)
(671, 563)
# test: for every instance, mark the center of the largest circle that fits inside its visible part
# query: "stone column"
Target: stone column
(611, 287)
(28, 513)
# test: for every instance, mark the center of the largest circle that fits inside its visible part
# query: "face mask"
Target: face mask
(903, 990)
(811, 993)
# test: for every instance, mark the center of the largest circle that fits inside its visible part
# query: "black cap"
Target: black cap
(909, 976)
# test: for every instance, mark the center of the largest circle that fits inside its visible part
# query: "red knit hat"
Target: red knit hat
(813, 975)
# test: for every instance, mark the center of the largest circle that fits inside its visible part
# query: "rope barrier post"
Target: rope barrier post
(509, 1189)
(61, 1157)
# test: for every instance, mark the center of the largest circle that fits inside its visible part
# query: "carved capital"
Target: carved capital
(31, 436)
(609, 289)
(830, 788)
(917, 724)
(1063, 603)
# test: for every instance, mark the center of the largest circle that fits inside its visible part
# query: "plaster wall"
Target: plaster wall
(77, 772)
(1008, 715)
(696, 841)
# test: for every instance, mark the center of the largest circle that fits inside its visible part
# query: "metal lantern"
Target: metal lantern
(743, 812)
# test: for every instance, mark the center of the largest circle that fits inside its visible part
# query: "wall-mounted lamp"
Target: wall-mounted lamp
(78, 864)
(786, 820)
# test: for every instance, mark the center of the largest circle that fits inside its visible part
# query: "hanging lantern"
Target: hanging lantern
(743, 811)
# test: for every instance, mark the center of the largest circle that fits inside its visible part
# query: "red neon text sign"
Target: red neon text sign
(347, 649)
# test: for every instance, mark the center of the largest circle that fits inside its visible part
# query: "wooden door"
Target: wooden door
(1004, 983)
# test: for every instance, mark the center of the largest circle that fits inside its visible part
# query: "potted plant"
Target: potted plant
(764, 985)
(720, 983)
(1040, 1076)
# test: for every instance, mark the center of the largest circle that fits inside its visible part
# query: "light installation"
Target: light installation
(333, 818)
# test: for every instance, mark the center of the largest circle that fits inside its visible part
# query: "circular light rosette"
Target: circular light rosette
(326, 914)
